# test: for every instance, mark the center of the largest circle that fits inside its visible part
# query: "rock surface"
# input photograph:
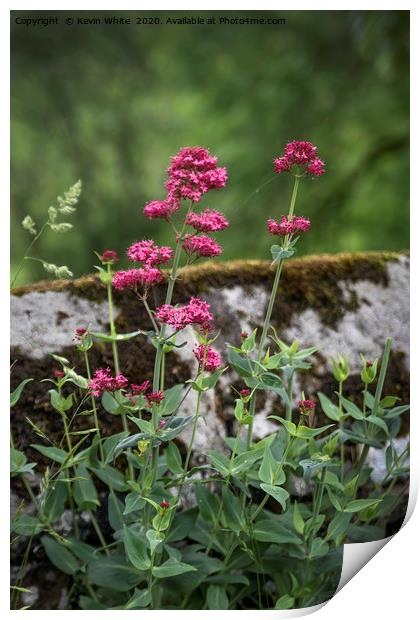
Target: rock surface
(346, 303)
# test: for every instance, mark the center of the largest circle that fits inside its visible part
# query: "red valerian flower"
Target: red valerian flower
(196, 312)
(103, 381)
(132, 278)
(58, 374)
(109, 256)
(201, 246)
(245, 392)
(192, 173)
(160, 209)
(164, 505)
(300, 157)
(306, 407)
(208, 356)
(244, 335)
(140, 389)
(288, 227)
(207, 221)
(149, 253)
(155, 397)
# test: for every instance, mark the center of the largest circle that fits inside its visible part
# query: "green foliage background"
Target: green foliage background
(110, 104)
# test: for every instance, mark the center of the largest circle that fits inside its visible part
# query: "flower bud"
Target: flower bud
(341, 368)
(369, 370)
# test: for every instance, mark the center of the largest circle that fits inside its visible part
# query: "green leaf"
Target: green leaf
(338, 526)
(74, 378)
(240, 364)
(233, 513)
(155, 538)
(207, 383)
(269, 530)
(219, 461)
(136, 549)
(388, 401)
(175, 426)
(373, 419)
(56, 498)
(360, 504)
(182, 524)
(208, 503)
(304, 432)
(352, 409)
(114, 573)
(115, 511)
(18, 463)
(82, 550)
(248, 344)
(15, 395)
(84, 491)
(133, 502)
(244, 461)
(285, 602)
(278, 253)
(111, 476)
(289, 426)
(330, 410)
(298, 521)
(110, 443)
(173, 398)
(55, 454)
(60, 556)
(172, 567)
(139, 600)
(268, 467)
(173, 459)
(110, 404)
(278, 493)
(116, 337)
(216, 597)
(318, 549)
(25, 525)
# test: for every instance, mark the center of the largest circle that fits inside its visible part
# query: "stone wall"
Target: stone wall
(345, 303)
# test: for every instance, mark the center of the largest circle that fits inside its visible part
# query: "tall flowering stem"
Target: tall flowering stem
(115, 352)
(158, 377)
(269, 312)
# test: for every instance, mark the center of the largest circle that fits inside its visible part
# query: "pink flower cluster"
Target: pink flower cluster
(159, 209)
(288, 227)
(201, 245)
(196, 312)
(207, 221)
(192, 173)
(155, 397)
(303, 155)
(306, 407)
(208, 356)
(136, 390)
(134, 277)
(109, 256)
(149, 253)
(103, 381)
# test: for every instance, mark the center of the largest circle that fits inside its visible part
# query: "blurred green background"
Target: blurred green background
(111, 104)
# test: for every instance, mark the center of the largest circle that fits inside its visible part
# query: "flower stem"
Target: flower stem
(378, 394)
(116, 359)
(268, 314)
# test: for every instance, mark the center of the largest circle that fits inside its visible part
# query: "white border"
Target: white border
(388, 584)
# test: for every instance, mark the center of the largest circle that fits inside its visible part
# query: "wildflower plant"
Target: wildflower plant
(248, 540)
